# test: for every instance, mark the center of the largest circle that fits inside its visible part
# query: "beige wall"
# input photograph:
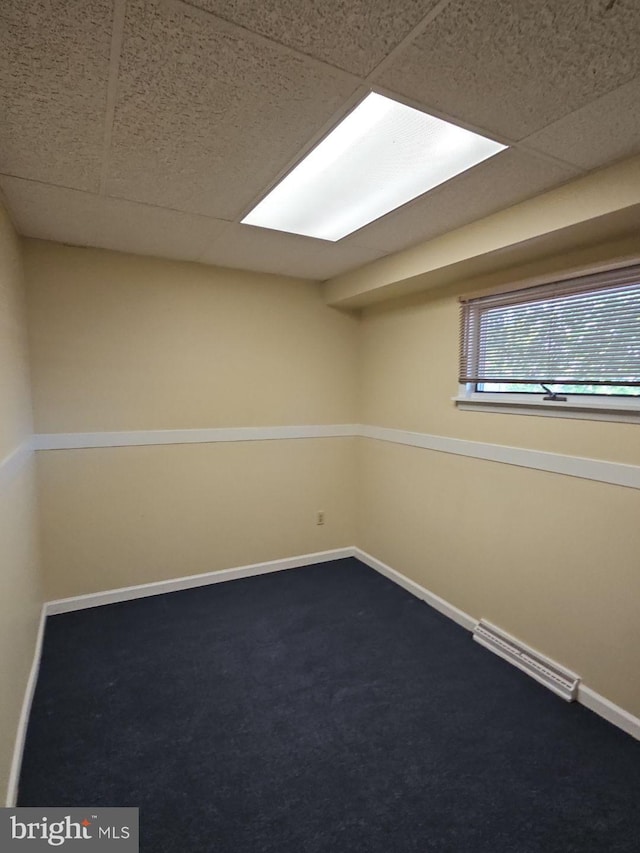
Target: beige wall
(552, 559)
(115, 517)
(124, 343)
(20, 596)
(600, 206)
(120, 342)
(410, 370)
(15, 402)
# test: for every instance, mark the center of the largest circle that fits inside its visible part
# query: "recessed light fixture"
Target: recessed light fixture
(380, 156)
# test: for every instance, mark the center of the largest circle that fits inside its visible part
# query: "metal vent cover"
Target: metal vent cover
(561, 681)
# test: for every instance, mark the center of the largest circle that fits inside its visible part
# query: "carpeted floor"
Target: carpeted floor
(318, 709)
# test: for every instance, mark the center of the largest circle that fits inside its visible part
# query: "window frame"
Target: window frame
(577, 406)
(602, 407)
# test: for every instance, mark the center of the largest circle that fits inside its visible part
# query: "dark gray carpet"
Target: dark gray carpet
(318, 709)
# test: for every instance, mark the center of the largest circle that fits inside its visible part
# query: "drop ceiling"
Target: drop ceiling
(153, 126)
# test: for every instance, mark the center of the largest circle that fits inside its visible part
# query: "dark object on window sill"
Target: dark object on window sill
(552, 395)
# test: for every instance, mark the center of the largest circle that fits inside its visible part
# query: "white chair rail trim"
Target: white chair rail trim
(133, 438)
(616, 473)
(603, 471)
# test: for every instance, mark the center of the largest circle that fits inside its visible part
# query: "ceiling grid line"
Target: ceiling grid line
(475, 128)
(523, 146)
(91, 194)
(331, 122)
(438, 113)
(257, 38)
(419, 28)
(154, 126)
(119, 11)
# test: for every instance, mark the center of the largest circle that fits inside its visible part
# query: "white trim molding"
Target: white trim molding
(138, 438)
(83, 602)
(616, 473)
(414, 588)
(129, 593)
(23, 720)
(601, 470)
(585, 695)
(618, 409)
(609, 711)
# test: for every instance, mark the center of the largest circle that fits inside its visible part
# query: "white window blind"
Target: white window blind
(582, 331)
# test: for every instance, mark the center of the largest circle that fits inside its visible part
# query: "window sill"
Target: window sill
(624, 411)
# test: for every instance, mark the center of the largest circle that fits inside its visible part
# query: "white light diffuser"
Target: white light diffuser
(382, 155)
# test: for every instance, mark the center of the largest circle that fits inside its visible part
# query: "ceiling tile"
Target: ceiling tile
(251, 248)
(605, 130)
(205, 118)
(514, 67)
(355, 36)
(499, 182)
(69, 216)
(54, 66)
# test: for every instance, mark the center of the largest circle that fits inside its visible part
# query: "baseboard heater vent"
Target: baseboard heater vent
(547, 672)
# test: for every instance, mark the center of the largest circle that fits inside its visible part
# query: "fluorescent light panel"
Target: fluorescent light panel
(382, 155)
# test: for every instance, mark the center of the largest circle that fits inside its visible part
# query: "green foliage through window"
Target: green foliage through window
(576, 336)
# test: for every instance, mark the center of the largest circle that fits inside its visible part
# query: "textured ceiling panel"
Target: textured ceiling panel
(514, 67)
(355, 36)
(503, 180)
(207, 113)
(250, 248)
(54, 65)
(205, 118)
(69, 216)
(605, 130)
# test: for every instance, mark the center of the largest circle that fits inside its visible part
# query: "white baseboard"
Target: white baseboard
(23, 720)
(128, 593)
(586, 696)
(414, 588)
(82, 602)
(609, 711)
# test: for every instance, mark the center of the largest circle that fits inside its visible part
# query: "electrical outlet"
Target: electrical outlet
(320, 517)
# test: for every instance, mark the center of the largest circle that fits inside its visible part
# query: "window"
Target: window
(569, 344)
